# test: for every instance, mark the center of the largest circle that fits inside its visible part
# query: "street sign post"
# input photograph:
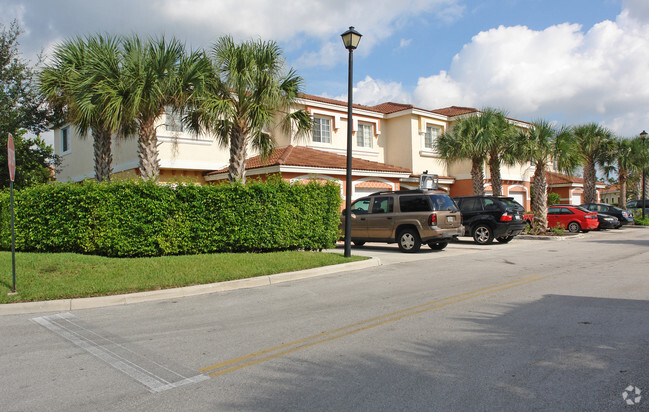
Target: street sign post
(11, 159)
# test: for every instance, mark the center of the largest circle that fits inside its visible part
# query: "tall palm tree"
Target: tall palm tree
(500, 146)
(156, 74)
(595, 144)
(469, 138)
(251, 95)
(72, 85)
(621, 161)
(640, 161)
(545, 146)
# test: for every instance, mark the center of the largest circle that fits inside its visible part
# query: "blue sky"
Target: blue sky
(568, 61)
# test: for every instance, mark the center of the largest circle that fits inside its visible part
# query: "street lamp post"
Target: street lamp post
(643, 136)
(350, 39)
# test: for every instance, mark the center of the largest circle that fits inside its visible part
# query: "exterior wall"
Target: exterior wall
(338, 117)
(399, 141)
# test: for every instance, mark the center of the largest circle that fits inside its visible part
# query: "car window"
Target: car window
(583, 209)
(471, 204)
(383, 204)
(361, 206)
(601, 208)
(417, 203)
(566, 211)
(590, 207)
(554, 211)
(443, 202)
(509, 202)
(490, 204)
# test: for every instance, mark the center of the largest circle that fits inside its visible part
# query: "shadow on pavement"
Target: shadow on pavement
(557, 353)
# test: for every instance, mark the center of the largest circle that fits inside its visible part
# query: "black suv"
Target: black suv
(489, 217)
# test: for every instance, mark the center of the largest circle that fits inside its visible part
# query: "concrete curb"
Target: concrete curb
(540, 237)
(64, 305)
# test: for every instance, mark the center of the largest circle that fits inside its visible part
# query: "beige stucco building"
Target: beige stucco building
(392, 142)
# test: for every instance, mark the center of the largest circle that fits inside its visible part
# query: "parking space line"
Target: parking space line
(296, 345)
(153, 375)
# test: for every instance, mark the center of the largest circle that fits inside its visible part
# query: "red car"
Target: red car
(573, 218)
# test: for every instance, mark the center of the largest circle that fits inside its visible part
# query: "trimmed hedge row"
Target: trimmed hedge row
(130, 219)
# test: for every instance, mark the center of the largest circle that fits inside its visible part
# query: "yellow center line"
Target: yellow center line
(358, 327)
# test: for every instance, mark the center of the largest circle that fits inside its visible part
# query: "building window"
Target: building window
(432, 133)
(321, 130)
(364, 135)
(65, 140)
(173, 120)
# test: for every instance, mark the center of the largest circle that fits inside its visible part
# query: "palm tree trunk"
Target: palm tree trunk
(540, 200)
(103, 154)
(622, 178)
(238, 152)
(590, 179)
(477, 175)
(494, 171)
(147, 150)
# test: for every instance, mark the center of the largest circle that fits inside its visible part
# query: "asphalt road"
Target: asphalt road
(531, 325)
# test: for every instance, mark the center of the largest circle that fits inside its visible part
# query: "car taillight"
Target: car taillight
(432, 219)
(506, 217)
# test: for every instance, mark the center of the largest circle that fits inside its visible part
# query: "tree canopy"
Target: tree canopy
(23, 114)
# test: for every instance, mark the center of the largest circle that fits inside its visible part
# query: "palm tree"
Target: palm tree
(72, 86)
(544, 145)
(595, 144)
(468, 139)
(250, 96)
(639, 160)
(500, 147)
(155, 75)
(621, 161)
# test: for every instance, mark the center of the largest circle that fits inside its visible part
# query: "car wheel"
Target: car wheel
(505, 239)
(437, 245)
(573, 227)
(359, 242)
(483, 235)
(409, 241)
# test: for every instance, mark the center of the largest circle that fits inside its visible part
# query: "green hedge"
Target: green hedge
(145, 219)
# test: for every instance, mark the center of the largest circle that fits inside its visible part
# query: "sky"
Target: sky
(567, 61)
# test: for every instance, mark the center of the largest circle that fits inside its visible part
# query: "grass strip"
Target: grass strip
(48, 276)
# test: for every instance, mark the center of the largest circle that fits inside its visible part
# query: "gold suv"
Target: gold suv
(407, 217)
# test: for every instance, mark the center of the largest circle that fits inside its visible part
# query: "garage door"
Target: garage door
(519, 197)
(362, 192)
(576, 199)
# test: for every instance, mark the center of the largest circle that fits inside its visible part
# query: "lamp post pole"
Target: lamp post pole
(643, 135)
(350, 39)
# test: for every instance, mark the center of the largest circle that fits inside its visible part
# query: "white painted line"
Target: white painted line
(64, 325)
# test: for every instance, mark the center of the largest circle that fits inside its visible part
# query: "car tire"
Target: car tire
(437, 245)
(359, 243)
(408, 241)
(505, 239)
(483, 235)
(573, 227)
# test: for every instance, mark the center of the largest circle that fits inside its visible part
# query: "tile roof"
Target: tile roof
(554, 178)
(455, 111)
(390, 107)
(336, 102)
(308, 157)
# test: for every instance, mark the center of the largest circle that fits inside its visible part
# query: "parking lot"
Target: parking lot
(532, 324)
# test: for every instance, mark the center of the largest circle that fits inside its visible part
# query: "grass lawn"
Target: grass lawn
(47, 276)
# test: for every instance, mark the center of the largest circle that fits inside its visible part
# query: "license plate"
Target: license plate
(450, 219)
(517, 217)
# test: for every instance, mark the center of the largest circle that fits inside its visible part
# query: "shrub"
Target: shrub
(145, 219)
(553, 198)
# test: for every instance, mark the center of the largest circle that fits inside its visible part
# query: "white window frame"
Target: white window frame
(429, 136)
(318, 130)
(364, 135)
(66, 147)
(173, 120)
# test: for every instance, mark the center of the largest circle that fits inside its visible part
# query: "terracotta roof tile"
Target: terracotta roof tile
(390, 107)
(336, 102)
(308, 157)
(455, 111)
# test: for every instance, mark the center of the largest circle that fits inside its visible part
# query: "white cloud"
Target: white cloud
(201, 22)
(600, 73)
(405, 43)
(371, 92)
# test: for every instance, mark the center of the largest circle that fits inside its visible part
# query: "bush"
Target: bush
(145, 219)
(553, 198)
